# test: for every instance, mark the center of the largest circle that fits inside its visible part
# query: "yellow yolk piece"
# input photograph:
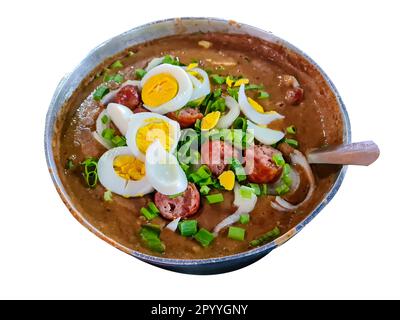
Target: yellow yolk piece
(227, 179)
(159, 89)
(210, 120)
(155, 129)
(229, 81)
(239, 82)
(256, 106)
(129, 168)
(192, 66)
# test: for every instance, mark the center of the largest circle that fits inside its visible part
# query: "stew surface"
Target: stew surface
(306, 116)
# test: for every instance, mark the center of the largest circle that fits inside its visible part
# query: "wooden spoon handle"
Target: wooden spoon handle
(358, 153)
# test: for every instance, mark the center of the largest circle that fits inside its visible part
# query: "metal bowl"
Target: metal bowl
(145, 33)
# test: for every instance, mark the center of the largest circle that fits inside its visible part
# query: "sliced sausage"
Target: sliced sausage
(294, 96)
(186, 117)
(259, 164)
(140, 109)
(216, 155)
(128, 96)
(182, 206)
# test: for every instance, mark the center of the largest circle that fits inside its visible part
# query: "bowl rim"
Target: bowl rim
(54, 108)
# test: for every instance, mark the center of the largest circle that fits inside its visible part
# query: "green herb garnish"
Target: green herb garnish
(140, 73)
(267, 237)
(244, 218)
(291, 129)
(100, 93)
(117, 64)
(90, 172)
(188, 228)
(215, 198)
(218, 79)
(107, 196)
(236, 233)
(292, 142)
(263, 95)
(204, 237)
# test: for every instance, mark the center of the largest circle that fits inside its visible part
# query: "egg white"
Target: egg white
(138, 120)
(163, 170)
(252, 114)
(113, 182)
(200, 88)
(185, 88)
(120, 116)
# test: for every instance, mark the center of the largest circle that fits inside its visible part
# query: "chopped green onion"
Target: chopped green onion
(170, 60)
(149, 215)
(100, 93)
(267, 237)
(203, 172)
(217, 105)
(278, 159)
(69, 164)
(217, 93)
(118, 141)
(236, 233)
(104, 119)
(90, 172)
(153, 208)
(108, 133)
(215, 198)
(286, 169)
(292, 142)
(256, 188)
(291, 129)
(254, 87)
(218, 79)
(233, 92)
(264, 189)
(263, 95)
(150, 234)
(118, 78)
(206, 182)
(140, 73)
(246, 192)
(240, 123)
(117, 64)
(204, 237)
(204, 190)
(107, 196)
(282, 189)
(188, 228)
(176, 195)
(237, 167)
(244, 218)
(287, 180)
(185, 167)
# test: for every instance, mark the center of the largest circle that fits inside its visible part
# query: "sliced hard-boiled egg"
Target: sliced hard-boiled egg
(166, 88)
(120, 116)
(200, 81)
(102, 123)
(254, 111)
(146, 127)
(234, 111)
(122, 173)
(163, 170)
(210, 120)
(263, 134)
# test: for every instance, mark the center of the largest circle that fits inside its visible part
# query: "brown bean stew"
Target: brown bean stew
(192, 146)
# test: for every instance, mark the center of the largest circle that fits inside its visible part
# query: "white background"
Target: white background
(351, 250)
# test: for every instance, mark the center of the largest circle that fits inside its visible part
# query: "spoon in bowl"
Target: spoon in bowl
(358, 153)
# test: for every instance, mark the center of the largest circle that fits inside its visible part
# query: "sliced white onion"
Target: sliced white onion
(200, 88)
(296, 157)
(173, 225)
(234, 111)
(120, 116)
(264, 135)
(276, 206)
(154, 63)
(163, 170)
(244, 205)
(111, 95)
(254, 115)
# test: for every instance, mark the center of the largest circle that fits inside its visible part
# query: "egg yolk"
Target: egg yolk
(256, 106)
(159, 89)
(227, 179)
(129, 168)
(155, 129)
(210, 120)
